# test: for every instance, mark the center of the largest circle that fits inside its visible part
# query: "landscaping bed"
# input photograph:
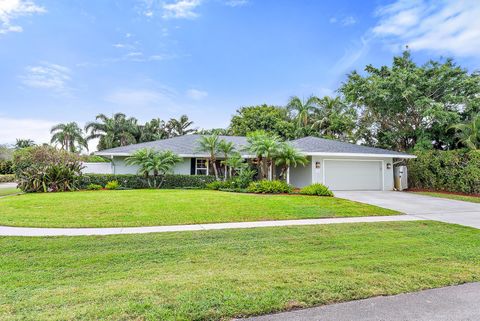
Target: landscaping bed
(169, 207)
(215, 275)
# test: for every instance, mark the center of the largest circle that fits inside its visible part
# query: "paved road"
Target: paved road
(8, 185)
(454, 303)
(31, 231)
(422, 206)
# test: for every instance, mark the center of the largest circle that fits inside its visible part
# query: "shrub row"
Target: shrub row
(8, 178)
(136, 181)
(270, 187)
(316, 189)
(452, 171)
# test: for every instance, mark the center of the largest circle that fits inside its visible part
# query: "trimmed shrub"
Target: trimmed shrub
(94, 187)
(218, 185)
(452, 171)
(138, 182)
(112, 185)
(270, 187)
(8, 178)
(316, 189)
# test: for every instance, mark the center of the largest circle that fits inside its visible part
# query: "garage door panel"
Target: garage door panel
(348, 175)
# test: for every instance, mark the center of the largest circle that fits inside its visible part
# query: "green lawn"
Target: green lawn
(168, 207)
(211, 275)
(466, 198)
(9, 191)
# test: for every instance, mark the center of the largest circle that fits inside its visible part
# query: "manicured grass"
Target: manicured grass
(212, 275)
(465, 198)
(9, 191)
(168, 207)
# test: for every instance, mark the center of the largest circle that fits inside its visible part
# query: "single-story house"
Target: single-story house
(338, 165)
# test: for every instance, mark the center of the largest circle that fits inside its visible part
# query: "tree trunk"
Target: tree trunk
(214, 165)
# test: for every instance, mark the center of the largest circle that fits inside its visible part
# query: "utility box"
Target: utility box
(400, 175)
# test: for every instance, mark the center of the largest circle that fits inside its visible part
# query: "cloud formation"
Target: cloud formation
(181, 9)
(47, 76)
(196, 94)
(445, 27)
(12, 9)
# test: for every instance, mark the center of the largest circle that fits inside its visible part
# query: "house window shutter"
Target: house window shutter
(192, 166)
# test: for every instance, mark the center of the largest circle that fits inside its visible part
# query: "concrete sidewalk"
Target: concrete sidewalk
(32, 231)
(453, 303)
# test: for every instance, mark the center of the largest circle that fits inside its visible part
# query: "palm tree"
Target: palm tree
(157, 163)
(210, 144)
(302, 109)
(113, 132)
(24, 143)
(236, 163)
(69, 136)
(153, 130)
(265, 147)
(468, 134)
(287, 157)
(226, 148)
(179, 127)
(333, 118)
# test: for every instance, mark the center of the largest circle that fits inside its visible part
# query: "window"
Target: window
(201, 167)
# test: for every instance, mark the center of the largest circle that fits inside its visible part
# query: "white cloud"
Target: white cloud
(13, 128)
(181, 9)
(196, 94)
(12, 9)
(344, 21)
(47, 76)
(446, 27)
(236, 3)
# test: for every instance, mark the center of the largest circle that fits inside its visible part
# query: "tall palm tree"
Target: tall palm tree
(114, 131)
(265, 147)
(468, 134)
(302, 109)
(226, 148)
(69, 136)
(153, 130)
(236, 163)
(180, 127)
(287, 157)
(210, 144)
(334, 119)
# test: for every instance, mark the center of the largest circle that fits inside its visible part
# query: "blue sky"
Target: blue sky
(70, 60)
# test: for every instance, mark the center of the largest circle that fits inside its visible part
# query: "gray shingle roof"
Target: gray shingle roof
(188, 145)
(321, 145)
(181, 145)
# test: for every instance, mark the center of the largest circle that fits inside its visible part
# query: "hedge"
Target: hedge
(8, 178)
(452, 171)
(136, 181)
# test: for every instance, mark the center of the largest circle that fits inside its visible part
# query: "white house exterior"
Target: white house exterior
(338, 165)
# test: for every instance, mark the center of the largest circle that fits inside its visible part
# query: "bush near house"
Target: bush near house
(8, 178)
(270, 187)
(452, 171)
(139, 182)
(6, 167)
(316, 189)
(112, 185)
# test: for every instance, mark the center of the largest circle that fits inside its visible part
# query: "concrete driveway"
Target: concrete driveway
(422, 206)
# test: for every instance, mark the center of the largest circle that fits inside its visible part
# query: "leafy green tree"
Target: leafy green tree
(226, 148)
(468, 134)
(288, 156)
(210, 144)
(69, 136)
(265, 146)
(179, 127)
(113, 131)
(270, 119)
(404, 104)
(216, 131)
(236, 164)
(24, 143)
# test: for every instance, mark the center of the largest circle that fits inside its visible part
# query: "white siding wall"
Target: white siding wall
(97, 168)
(121, 168)
(317, 173)
(301, 176)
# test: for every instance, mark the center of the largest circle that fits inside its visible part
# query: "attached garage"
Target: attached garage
(353, 175)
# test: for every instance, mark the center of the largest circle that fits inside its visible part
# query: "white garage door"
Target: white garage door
(348, 175)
